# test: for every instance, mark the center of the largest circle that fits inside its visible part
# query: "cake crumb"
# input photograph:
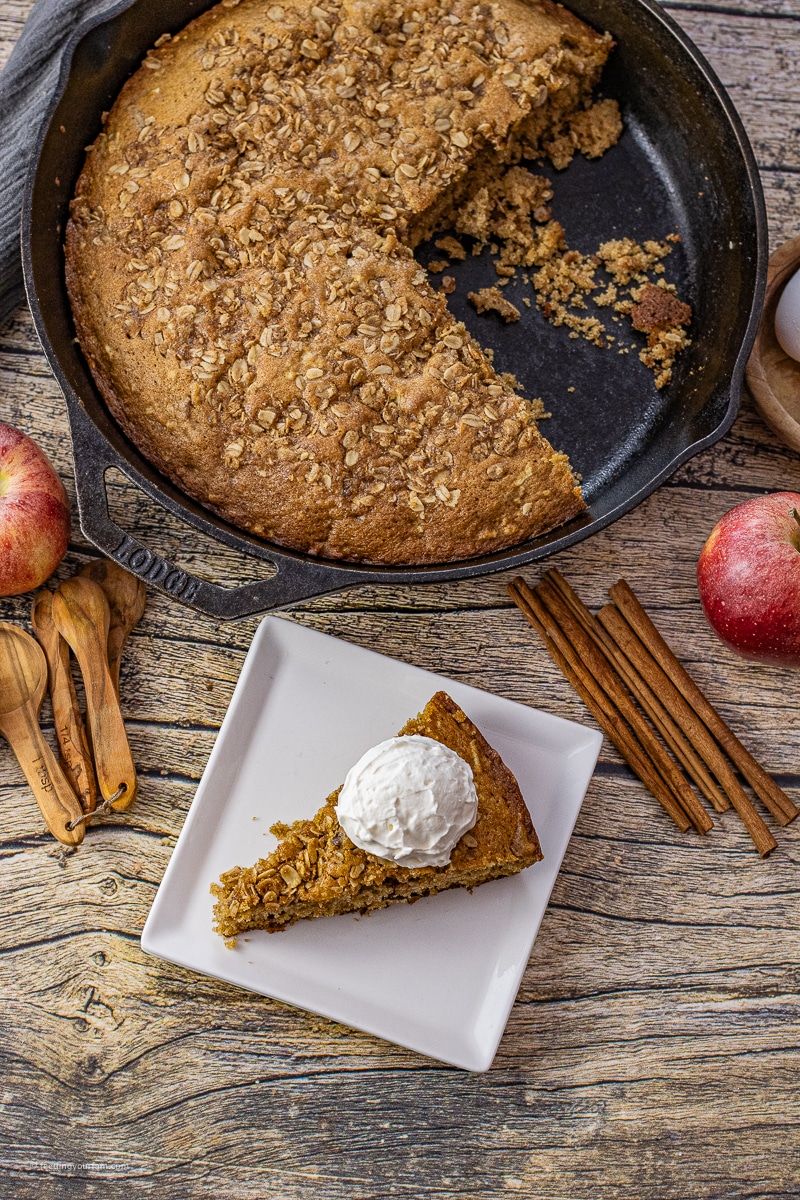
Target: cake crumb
(607, 297)
(625, 259)
(448, 285)
(490, 299)
(451, 247)
(438, 264)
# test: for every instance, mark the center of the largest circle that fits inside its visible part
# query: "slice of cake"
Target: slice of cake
(240, 264)
(317, 871)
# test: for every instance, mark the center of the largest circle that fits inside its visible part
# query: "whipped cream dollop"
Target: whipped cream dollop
(409, 800)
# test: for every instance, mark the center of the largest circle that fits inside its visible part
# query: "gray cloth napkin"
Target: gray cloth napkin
(26, 84)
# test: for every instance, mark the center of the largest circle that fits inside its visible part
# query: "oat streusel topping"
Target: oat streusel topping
(239, 260)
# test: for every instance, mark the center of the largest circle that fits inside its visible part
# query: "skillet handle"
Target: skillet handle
(293, 579)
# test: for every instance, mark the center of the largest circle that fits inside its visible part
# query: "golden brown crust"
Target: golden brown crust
(239, 266)
(316, 870)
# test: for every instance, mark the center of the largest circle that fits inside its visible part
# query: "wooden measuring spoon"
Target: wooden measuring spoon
(82, 616)
(23, 682)
(70, 732)
(126, 597)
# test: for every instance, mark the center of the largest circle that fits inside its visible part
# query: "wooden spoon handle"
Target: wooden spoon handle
(126, 597)
(55, 797)
(81, 615)
(117, 637)
(70, 731)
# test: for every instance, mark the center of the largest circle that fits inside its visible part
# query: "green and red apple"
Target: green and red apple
(749, 578)
(34, 514)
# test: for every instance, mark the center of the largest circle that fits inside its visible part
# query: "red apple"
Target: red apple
(749, 578)
(34, 514)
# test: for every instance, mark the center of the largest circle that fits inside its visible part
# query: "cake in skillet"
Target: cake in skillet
(240, 264)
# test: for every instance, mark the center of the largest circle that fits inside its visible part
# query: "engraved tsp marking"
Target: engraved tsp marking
(68, 749)
(43, 773)
(154, 569)
(71, 754)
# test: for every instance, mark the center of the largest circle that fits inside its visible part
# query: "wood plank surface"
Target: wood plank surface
(653, 1052)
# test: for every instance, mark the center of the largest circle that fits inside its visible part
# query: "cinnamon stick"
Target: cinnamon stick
(600, 669)
(617, 627)
(767, 790)
(648, 696)
(599, 705)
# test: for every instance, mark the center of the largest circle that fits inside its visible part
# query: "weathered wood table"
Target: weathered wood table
(654, 1050)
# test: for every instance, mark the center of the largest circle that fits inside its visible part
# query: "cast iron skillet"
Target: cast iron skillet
(683, 163)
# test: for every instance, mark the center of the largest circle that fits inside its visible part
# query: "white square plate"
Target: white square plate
(438, 976)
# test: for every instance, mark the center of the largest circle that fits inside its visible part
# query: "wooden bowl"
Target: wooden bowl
(773, 378)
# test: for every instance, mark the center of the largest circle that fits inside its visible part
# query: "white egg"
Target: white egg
(787, 318)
